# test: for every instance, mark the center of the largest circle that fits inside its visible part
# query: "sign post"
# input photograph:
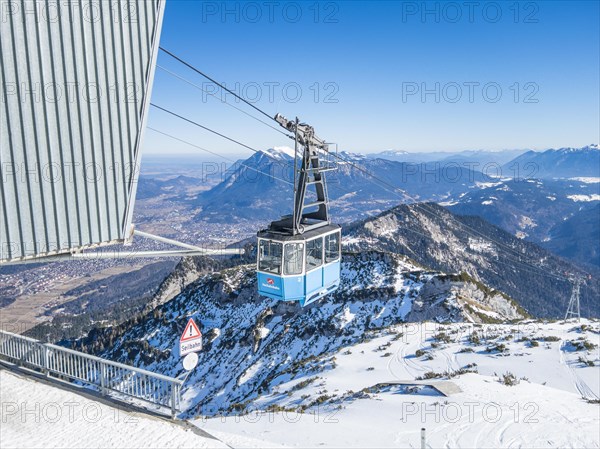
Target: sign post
(191, 339)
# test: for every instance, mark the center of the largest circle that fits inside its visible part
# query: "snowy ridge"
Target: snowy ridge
(351, 157)
(252, 344)
(392, 152)
(559, 163)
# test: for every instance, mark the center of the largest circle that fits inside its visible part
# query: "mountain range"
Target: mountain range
(530, 208)
(254, 191)
(248, 194)
(476, 158)
(557, 163)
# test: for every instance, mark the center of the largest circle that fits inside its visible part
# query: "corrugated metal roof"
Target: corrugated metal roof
(76, 80)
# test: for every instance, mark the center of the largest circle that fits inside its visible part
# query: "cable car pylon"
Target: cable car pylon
(298, 257)
(574, 310)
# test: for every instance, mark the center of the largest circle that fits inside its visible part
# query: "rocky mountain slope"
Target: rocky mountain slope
(434, 237)
(251, 342)
(578, 237)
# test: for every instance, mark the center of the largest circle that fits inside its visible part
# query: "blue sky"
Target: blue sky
(496, 75)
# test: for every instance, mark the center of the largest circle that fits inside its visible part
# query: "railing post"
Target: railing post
(103, 378)
(174, 397)
(46, 361)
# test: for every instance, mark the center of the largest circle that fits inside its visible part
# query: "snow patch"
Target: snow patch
(527, 222)
(485, 185)
(345, 317)
(481, 246)
(587, 180)
(584, 198)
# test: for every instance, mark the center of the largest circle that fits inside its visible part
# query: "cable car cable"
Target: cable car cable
(222, 100)
(214, 81)
(204, 127)
(393, 190)
(195, 69)
(219, 155)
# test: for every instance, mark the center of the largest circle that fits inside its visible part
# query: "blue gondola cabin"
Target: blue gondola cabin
(303, 267)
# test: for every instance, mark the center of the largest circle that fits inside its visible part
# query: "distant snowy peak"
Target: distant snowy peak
(286, 153)
(392, 153)
(352, 157)
(279, 153)
(576, 149)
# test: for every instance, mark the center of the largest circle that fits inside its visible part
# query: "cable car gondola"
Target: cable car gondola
(298, 256)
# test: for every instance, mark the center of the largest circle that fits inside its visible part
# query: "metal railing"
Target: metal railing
(108, 377)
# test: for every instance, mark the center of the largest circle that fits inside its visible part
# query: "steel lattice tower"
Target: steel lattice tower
(573, 310)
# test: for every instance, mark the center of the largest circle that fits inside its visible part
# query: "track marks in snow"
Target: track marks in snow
(581, 386)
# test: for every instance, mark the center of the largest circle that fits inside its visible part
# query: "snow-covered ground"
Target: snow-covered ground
(486, 414)
(366, 395)
(545, 408)
(37, 415)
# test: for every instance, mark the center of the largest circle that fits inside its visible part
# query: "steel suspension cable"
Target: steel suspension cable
(217, 154)
(175, 75)
(177, 58)
(382, 182)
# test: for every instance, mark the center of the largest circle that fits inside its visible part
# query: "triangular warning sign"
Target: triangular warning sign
(191, 331)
